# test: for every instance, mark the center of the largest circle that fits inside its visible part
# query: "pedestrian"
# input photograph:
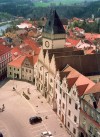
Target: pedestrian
(3, 106)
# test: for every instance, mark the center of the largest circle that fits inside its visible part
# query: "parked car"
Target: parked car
(1, 135)
(34, 120)
(46, 134)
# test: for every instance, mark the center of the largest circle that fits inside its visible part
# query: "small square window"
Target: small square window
(68, 124)
(63, 95)
(74, 130)
(63, 105)
(75, 119)
(69, 100)
(50, 80)
(59, 101)
(59, 112)
(76, 106)
(69, 112)
(56, 85)
(60, 90)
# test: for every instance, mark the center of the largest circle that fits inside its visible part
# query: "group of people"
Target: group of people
(2, 109)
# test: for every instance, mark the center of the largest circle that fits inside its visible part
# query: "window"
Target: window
(63, 95)
(50, 80)
(30, 71)
(74, 93)
(56, 96)
(91, 129)
(30, 78)
(74, 130)
(26, 70)
(41, 67)
(69, 112)
(95, 133)
(59, 112)
(85, 107)
(10, 67)
(68, 124)
(98, 118)
(60, 90)
(14, 68)
(63, 106)
(92, 113)
(75, 119)
(76, 106)
(56, 85)
(22, 69)
(59, 101)
(10, 73)
(84, 122)
(41, 77)
(18, 69)
(69, 100)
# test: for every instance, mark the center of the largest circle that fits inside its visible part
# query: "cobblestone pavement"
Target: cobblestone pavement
(24, 109)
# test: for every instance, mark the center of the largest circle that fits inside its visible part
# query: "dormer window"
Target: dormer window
(92, 113)
(97, 118)
(74, 93)
(85, 107)
(49, 23)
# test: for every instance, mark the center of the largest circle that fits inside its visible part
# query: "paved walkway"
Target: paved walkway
(40, 107)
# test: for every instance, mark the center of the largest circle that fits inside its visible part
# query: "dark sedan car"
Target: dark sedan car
(35, 120)
(1, 135)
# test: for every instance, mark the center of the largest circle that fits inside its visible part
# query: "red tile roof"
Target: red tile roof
(4, 49)
(81, 89)
(92, 36)
(82, 83)
(94, 89)
(15, 52)
(17, 62)
(34, 45)
(70, 42)
(71, 81)
(35, 59)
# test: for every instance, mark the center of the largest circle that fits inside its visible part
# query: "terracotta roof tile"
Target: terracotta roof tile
(72, 42)
(71, 81)
(4, 49)
(82, 83)
(17, 62)
(94, 89)
(81, 89)
(34, 45)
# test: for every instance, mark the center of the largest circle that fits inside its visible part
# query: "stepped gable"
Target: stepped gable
(63, 74)
(54, 25)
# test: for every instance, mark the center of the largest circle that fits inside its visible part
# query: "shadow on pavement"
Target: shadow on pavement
(3, 82)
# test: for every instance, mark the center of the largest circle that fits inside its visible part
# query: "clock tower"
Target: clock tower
(53, 33)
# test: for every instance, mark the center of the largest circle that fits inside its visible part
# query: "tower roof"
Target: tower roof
(54, 25)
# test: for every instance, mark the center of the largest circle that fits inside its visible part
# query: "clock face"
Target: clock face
(47, 44)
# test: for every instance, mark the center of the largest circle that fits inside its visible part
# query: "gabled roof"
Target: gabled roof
(54, 25)
(71, 81)
(4, 49)
(17, 62)
(72, 42)
(94, 89)
(80, 81)
(32, 44)
(81, 89)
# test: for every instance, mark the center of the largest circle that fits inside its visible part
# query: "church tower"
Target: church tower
(53, 33)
